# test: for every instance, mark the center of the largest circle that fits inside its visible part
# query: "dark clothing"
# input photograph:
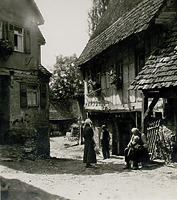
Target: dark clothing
(136, 152)
(105, 144)
(89, 145)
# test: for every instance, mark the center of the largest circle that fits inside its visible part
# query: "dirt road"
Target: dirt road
(63, 176)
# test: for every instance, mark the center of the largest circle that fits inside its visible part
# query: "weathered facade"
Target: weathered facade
(24, 90)
(128, 33)
(158, 79)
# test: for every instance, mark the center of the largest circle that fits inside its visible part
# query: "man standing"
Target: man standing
(105, 138)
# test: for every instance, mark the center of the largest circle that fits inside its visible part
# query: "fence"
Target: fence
(159, 141)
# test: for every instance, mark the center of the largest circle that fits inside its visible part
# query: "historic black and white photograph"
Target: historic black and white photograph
(88, 99)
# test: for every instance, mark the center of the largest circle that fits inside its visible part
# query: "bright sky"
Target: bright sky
(65, 28)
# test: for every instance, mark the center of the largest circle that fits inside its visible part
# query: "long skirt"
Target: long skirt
(89, 153)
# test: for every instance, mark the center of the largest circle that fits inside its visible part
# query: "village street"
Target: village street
(63, 176)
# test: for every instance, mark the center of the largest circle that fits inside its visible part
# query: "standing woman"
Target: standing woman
(89, 144)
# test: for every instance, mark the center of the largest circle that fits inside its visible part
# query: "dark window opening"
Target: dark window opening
(140, 62)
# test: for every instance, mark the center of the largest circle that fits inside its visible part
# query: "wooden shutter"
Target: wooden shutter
(11, 34)
(23, 95)
(43, 96)
(1, 30)
(5, 30)
(27, 41)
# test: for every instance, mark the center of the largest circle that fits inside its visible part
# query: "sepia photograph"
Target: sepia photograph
(88, 99)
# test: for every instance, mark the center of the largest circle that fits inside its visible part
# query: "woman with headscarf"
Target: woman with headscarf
(89, 144)
(137, 149)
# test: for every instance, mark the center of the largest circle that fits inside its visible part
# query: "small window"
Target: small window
(140, 62)
(119, 73)
(28, 95)
(18, 39)
(32, 95)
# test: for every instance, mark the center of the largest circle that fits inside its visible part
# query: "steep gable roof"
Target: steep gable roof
(133, 21)
(160, 71)
(115, 10)
(38, 13)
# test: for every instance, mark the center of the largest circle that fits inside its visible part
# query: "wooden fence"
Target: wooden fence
(158, 141)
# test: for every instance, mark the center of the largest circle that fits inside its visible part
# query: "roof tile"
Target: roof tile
(160, 71)
(134, 21)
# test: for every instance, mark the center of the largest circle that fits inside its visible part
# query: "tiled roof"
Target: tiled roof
(44, 71)
(59, 112)
(134, 21)
(160, 71)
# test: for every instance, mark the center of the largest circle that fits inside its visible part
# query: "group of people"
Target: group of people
(89, 148)
(136, 150)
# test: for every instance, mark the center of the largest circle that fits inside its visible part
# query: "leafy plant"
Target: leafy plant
(6, 48)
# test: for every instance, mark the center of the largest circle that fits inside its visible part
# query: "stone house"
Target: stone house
(128, 33)
(24, 88)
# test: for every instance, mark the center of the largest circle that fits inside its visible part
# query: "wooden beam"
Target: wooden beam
(144, 108)
(151, 106)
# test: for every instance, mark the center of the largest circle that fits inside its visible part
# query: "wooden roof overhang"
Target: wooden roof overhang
(134, 21)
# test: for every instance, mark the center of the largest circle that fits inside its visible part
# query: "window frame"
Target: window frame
(20, 37)
(25, 90)
(30, 91)
(119, 73)
(10, 32)
(139, 57)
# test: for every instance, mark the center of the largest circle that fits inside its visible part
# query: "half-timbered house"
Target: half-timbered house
(126, 36)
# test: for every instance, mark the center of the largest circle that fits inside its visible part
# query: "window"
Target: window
(139, 62)
(28, 95)
(18, 36)
(18, 39)
(32, 95)
(119, 73)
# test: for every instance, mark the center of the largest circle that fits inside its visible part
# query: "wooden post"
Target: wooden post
(144, 108)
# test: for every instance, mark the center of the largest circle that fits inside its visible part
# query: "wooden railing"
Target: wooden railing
(159, 141)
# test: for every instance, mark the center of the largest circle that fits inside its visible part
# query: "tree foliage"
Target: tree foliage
(66, 82)
(97, 10)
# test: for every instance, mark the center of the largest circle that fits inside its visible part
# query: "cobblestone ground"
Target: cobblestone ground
(63, 176)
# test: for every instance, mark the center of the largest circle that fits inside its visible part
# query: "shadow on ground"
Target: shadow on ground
(61, 166)
(68, 166)
(12, 189)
